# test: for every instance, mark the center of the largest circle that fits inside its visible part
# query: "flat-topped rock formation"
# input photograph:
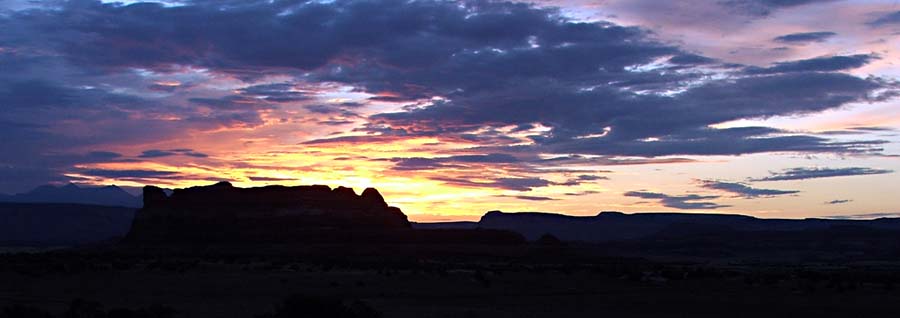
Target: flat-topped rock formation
(224, 213)
(617, 226)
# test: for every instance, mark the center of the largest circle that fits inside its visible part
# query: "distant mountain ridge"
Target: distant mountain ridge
(74, 194)
(43, 224)
(617, 226)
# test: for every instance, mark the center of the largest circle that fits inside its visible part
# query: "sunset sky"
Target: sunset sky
(772, 108)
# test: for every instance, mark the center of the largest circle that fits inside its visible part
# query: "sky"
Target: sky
(771, 108)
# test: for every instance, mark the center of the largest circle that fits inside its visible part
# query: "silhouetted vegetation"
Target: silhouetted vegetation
(80, 308)
(317, 306)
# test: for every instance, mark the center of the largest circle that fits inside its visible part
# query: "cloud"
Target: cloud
(842, 201)
(103, 155)
(130, 173)
(581, 193)
(743, 190)
(813, 173)
(678, 125)
(486, 158)
(458, 161)
(277, 92)
(858, 131)
(528, 197)
(253, 178)
(502, 77)
(684, 202)
(818, 64)
(891, 18)
(515, 184)
(231, 103)
(156, 153)
(873, 129)
(328, 109)
(766, 7)
(709, 142)
(691, 59)
(804, 37)
(591, 178)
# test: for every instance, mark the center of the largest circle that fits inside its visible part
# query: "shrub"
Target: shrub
(324, 307)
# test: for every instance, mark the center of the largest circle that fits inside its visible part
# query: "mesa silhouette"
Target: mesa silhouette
(222, 213)
(704, 235)
(611, 226)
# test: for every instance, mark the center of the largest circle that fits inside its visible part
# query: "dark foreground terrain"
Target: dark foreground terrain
(313, 251)
(535, 280)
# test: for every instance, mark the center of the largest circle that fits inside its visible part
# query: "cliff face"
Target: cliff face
(223, 213)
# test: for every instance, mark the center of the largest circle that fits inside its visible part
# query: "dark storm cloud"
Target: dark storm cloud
(685, 202)
(46, 95)
(258, 36)
(743, 190)
(35, 93)
(891, 18)
(493, 65)
(498, 63)
(813, 173)
(680, 122)
(804, 37)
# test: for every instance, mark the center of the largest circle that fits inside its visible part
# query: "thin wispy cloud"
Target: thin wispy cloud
(685, 202)
(815, 173)
(804, 37)
(885, 19)
(743, 190)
